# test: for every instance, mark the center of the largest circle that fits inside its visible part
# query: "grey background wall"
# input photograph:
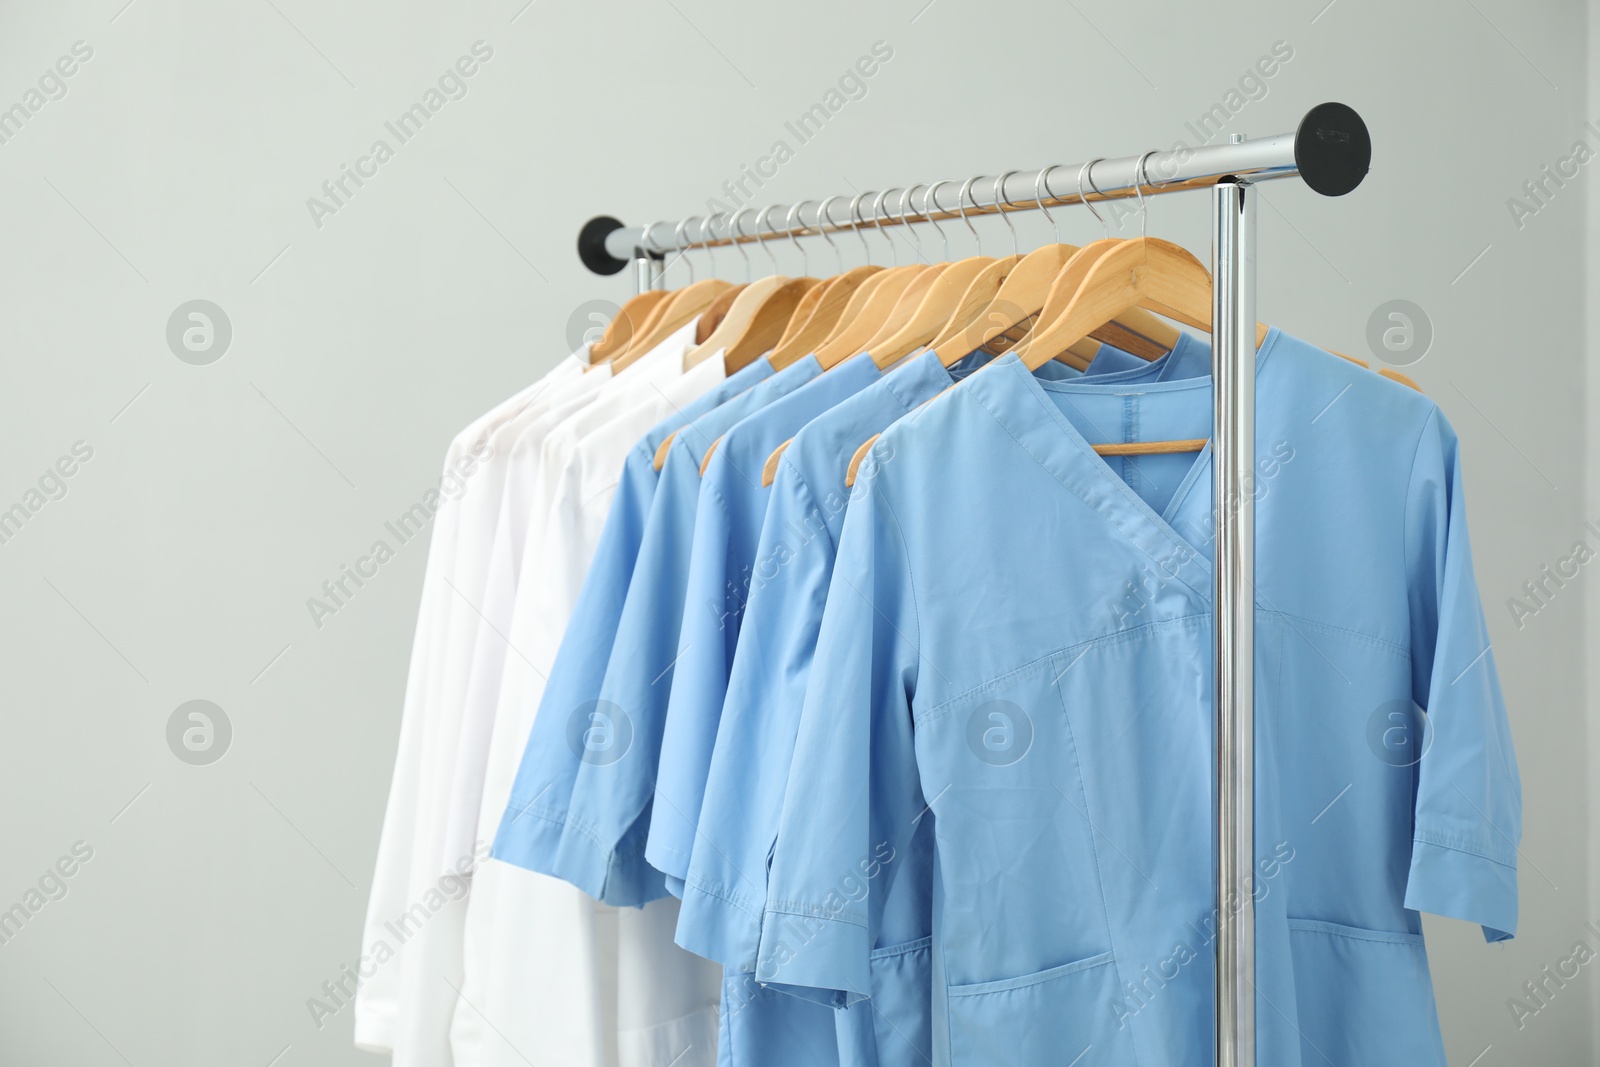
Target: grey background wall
(206, 503)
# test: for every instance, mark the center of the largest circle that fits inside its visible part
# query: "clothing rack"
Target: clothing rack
(1330, 151)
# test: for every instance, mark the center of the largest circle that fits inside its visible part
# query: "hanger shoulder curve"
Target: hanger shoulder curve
(628, 321)
(742, 309)
(684, 306)
(858, 459)
(879, 294)
(715, 312)
(705, 461)
(942, 299)
(769, 470)
(767, 324)
(905, 305)
(661, 450)
(825, 317)
(980, 293)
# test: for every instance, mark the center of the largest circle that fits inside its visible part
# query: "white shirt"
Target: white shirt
(430, 970)
(666, 1012)
(377, 999)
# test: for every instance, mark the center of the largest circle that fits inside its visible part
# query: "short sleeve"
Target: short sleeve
(533, 830)
(1468, 819)
(706, 634)
(725, 889)
(854, 799)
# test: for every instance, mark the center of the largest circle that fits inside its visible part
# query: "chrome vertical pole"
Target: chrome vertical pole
(1233, 360)
(644, 274)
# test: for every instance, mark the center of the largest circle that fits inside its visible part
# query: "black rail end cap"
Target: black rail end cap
(1332, 149)
(592, 245)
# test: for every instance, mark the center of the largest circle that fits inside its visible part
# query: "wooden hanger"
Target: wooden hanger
(767, 324)
(715, 312)
(1153, 338)
(648, 325)
(916, 295)
(833, 298)
(866, 312)
(683, 306)
(627, 322)
(944, 296)
(1157, 336)
(802, 310)
(742, 309)
(907, 304)
(1142, 272)
(1020, 297)
(769, 471)
(980, 293)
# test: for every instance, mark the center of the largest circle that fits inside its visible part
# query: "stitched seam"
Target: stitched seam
(1178, 544)
(945, 706)
(1340, 631)
(1094, 844)
(1028, 981)
(1456, 844)
(807, 911)
(811, 500)
(719, 892)
(906, 949)
(911, 585)
(1382, 937)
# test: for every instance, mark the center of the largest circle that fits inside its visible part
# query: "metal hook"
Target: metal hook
(1044, 180)
(858, 223)
(705, 242)
(788, 224)
(907, 203)
(736, 231)
(894, 253)
(824, 220)
(1084, 172)
(961, 206)
(681, 247)
(999, 205)
(1140, 178)
(761, 225)
(933, 198)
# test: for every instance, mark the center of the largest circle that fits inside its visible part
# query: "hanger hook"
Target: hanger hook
(682, 246)
(761, 225)
(858, 223)
(1086, 172)
(705, 243)
(933, 198)
(824, 220)
(789, 225)
(1041, 184)
(1140, 178)
(1000, 202)
(736, 231)
(877, 219)
(908, 201)
(961, 206)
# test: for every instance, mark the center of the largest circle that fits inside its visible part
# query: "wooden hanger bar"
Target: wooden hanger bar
(769, 470)
(628, 321)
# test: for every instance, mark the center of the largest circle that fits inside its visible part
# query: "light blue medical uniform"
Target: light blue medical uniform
(751, 714)
(580, 663)
(1016, 652)
(583, 737)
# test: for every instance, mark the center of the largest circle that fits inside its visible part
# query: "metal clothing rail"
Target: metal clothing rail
(1330, 151)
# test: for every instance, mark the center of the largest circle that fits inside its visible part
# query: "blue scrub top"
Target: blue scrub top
(1016, 651)
(565, 818)
(742, 776)
(579, 667)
